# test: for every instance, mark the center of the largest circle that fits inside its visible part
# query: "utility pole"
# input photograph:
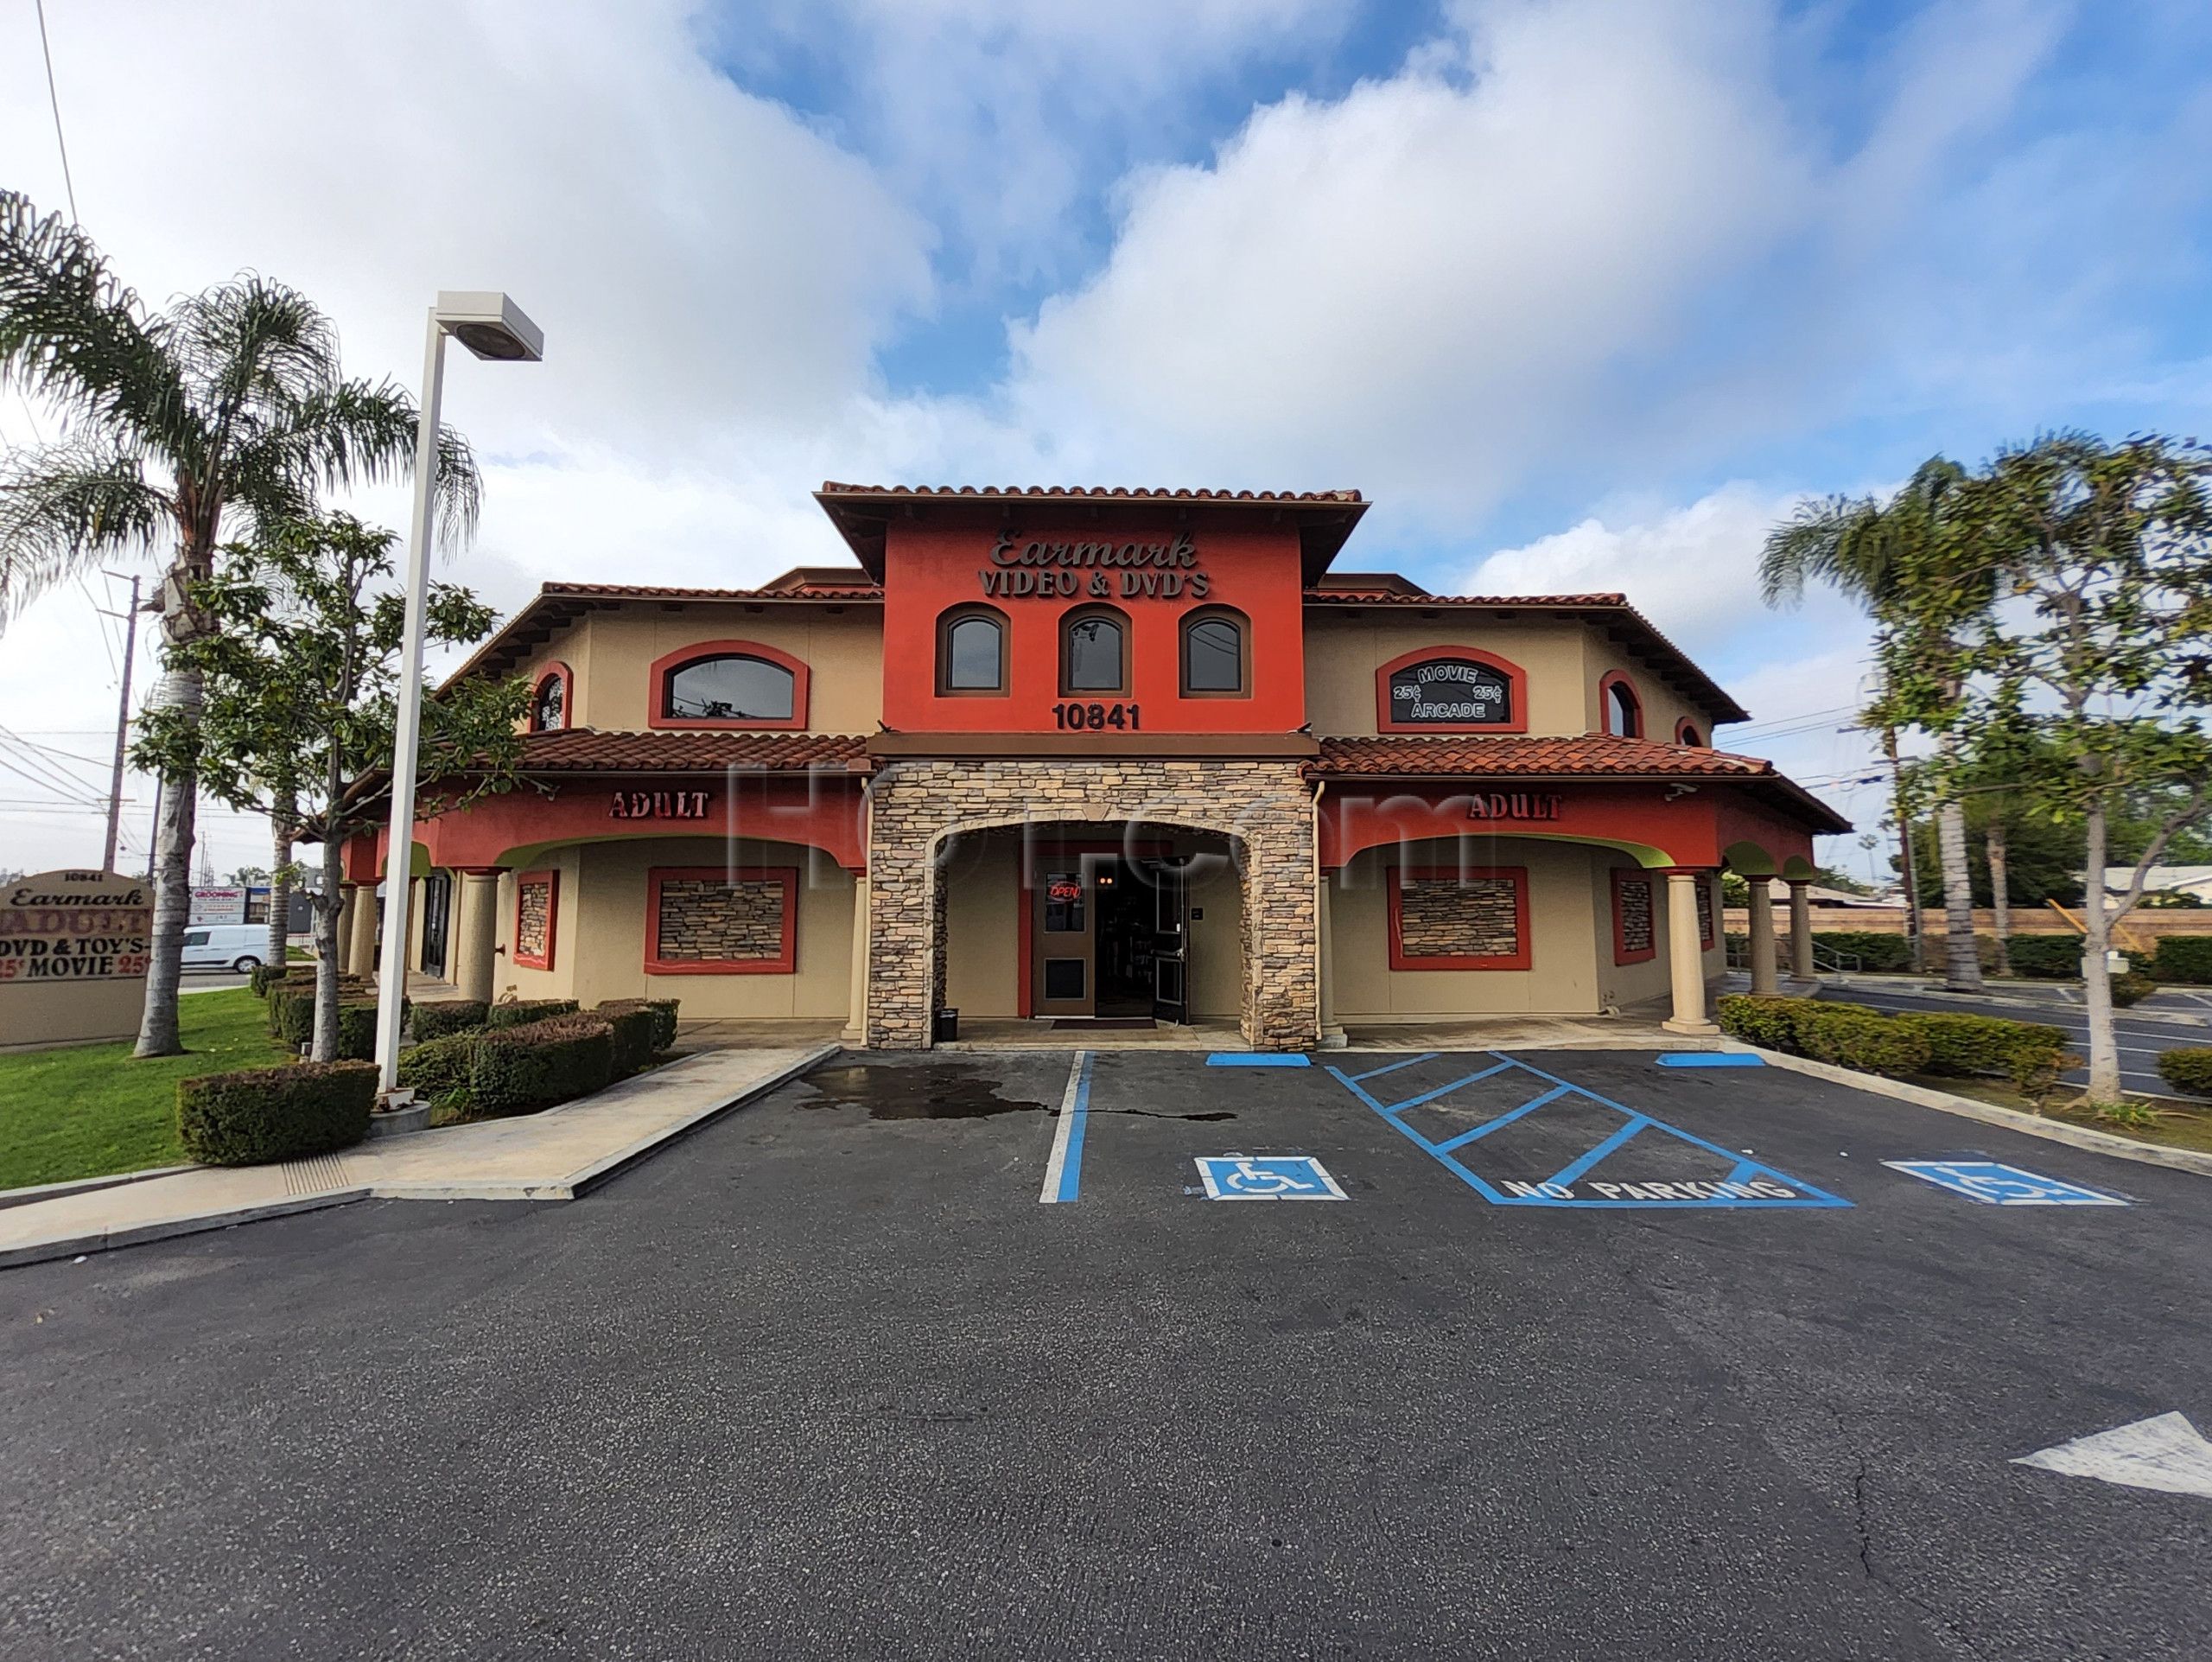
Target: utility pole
(122, 725)
(1908, 870)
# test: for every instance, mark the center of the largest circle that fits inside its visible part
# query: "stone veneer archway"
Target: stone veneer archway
(1264, 808)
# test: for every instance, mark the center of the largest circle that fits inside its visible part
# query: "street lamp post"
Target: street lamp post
(491, 326)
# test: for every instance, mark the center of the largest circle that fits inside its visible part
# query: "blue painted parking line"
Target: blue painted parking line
(1256, 1059)
(1390, 1067)
(1063, 1170)
(1747, 1184)
(1711, 1059)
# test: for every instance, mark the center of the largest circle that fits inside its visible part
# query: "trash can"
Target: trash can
(947, 1030)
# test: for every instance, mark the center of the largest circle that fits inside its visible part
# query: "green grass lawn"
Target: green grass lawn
(90, 1109)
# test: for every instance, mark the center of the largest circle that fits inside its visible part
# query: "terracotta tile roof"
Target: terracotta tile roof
(1586, 755)
(862, 587)
(584, 750)
(1521, 753)
(1092, 493)
(1668, 660)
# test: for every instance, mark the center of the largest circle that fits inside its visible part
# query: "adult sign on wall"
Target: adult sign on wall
(73, 958)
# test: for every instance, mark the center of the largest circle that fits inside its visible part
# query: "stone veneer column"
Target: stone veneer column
(1801, 930)
(1264, 806)
(1761, 904)
(361, 946)
(1686, 954)
(477, 934)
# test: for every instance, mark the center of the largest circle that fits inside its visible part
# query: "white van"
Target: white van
(240, 947)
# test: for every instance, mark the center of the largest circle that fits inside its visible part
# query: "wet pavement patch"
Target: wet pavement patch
(944, 1091)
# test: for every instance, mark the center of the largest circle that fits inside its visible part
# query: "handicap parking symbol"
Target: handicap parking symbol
(1276, 1177)
(1997, 1185)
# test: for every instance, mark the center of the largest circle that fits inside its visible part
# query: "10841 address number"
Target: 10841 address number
(1093, 718)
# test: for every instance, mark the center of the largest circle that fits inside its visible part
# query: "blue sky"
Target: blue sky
(1584, 293)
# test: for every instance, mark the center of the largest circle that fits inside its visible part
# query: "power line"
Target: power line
(53, 103)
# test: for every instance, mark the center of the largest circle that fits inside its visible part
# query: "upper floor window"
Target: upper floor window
(1450, 690)
(1686, 733)
(728, 684)
(1094, 651)
(971, 651)
(549, 700)
(1623, 710)
(1214, 661)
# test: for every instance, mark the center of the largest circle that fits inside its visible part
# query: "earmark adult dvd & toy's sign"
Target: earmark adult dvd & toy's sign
(74, 947)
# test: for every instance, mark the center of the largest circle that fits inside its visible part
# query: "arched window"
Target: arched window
(1622, 711)
(971, 651)
(1447, 689)
(728, 684)
(1215, 661)
(549, 700)
(1685, 733)
(1094, 650)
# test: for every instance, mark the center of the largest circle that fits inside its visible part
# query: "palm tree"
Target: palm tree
(1857, 546)
(221, 413)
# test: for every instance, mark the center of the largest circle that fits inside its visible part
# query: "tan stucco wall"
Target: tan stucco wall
(609, 653)
(600, 931)
(1562, 976)
(1623, 984)
(1662, 705)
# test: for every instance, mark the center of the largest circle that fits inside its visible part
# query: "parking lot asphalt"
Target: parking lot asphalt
(828, 1379)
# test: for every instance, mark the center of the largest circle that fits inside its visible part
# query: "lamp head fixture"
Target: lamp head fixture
(490, 325)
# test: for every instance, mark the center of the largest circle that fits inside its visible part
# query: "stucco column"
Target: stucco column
(1801, 931)
(1761, 918)
(478, 934)
(855, 1030)
(1686, 954)
(349, 910)
(361, 947)
(1332, 1035)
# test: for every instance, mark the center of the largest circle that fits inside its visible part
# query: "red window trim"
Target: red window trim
(551, 878)
(1653, 881)
(1396, 891)
(1516, 681)
(1685, 733)
(1607, 683)
(785, 963)
(561, 672)
(657, 713)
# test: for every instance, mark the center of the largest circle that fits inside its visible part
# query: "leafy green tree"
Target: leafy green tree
(2060, 632)
(220, 414)
(1860, 547)
(302, 669)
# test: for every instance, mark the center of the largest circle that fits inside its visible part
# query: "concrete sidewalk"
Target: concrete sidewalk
(554, 1155)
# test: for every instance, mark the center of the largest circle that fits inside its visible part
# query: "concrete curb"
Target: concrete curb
(163, 1229)
(2050, 1130)
(570, 1187)
(17, 1197)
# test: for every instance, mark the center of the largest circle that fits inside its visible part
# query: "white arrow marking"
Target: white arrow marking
(2164, 1452)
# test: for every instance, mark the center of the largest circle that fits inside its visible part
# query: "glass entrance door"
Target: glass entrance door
(437, 911)
(1171, 946)
(1067, 928)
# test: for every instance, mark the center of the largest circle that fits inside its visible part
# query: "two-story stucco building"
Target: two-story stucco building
(1126, 755)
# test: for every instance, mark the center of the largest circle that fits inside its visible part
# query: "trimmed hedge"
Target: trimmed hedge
(291, 1019)
(2028, 1054)
(2183, 958)
(449, 1017)
(633, 1031)
(1862, 1038)
(2187, 1070)
(517, 1070)
(664, 1013)
(2047, 958)
(525, 1011)
(2132, 988)
(275, 1113)
(1875, 952)
(438, 1067)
